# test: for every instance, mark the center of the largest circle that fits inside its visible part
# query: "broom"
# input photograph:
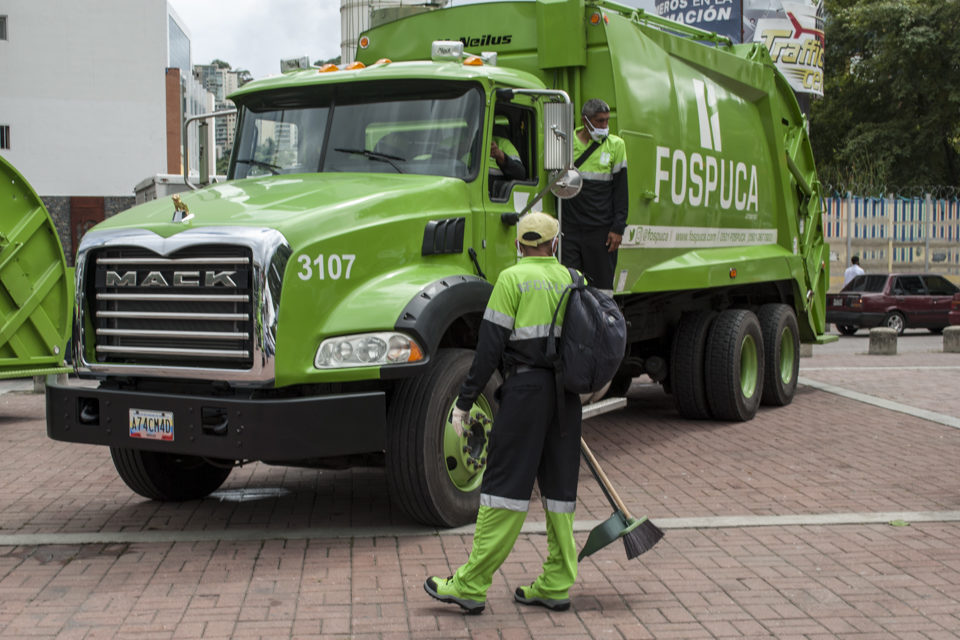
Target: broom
(638, 535)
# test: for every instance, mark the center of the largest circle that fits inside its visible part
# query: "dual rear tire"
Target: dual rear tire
(724, 365)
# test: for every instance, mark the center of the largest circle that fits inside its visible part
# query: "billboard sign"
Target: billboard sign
(720, 16)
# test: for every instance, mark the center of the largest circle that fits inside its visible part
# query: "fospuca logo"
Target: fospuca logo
(705, 178)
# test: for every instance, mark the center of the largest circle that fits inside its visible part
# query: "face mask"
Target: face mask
(597, 134)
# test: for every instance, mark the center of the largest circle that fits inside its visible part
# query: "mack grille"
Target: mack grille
(191, 309)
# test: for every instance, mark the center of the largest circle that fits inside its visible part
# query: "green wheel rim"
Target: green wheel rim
(748, 367)
(466, 456)
(788, 356)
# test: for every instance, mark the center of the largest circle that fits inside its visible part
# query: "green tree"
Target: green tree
(220, 64)
(334, 60)
(890, 116)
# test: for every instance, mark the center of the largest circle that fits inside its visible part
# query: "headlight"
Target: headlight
(367, 349)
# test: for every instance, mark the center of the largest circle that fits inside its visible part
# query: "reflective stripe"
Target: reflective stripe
(617, 167)
(499, 319)
(559, 506)
(536, 331)
(599, 177)
(496, 502)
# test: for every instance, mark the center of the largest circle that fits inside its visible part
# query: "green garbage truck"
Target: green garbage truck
(323, 302)
(35, 285)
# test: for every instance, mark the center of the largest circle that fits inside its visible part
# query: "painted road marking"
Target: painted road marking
(930, 416)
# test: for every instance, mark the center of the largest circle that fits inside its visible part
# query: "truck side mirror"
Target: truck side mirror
(567, 185)
(557, 135)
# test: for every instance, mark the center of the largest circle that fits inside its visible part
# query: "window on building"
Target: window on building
(3, 27)
(4, 136)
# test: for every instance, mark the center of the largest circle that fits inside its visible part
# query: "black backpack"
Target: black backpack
(592, 341)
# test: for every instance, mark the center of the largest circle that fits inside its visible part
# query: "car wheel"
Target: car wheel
(894, 320)
(847, 329)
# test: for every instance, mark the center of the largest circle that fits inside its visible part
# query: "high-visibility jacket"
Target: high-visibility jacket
(602, 202)
(516, 322)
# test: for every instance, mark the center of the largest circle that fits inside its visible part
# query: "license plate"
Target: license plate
(151, 425)
(837, 302)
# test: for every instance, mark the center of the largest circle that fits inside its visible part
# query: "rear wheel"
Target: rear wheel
(734, 365)
(167, 476)
(687, 380)
(847, 329)
(894, 320)
(781, 351)
(434, 474)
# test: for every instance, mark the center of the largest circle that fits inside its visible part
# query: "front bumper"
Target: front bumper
(275, 430)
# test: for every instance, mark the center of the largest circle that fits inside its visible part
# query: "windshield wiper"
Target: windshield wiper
(274, 169)
(373, 155)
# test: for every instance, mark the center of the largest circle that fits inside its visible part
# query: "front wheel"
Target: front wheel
(734, 365)
(168, 477)
(894, 320)
(434, 475)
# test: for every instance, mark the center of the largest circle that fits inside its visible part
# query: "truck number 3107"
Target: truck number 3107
(333, 266)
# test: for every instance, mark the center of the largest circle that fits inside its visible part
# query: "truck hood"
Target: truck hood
(290, 202)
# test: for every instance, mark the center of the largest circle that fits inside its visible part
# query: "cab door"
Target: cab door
(517, 122)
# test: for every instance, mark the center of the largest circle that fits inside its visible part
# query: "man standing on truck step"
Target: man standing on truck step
(530, 440)
(593, 222)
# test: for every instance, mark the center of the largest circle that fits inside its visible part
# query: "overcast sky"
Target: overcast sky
(255, 34)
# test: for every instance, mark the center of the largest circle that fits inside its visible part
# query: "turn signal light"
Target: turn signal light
(733, 272)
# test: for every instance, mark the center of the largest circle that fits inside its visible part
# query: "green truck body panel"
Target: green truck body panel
(35, 290)
(707, 130)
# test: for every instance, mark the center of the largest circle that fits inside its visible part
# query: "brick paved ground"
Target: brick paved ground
(824, 454)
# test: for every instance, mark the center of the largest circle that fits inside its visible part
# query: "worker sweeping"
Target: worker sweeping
(530, 439)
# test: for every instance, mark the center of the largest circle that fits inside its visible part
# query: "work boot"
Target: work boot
(496, 532)
(531, 595)
(551, 589)
(443, 590)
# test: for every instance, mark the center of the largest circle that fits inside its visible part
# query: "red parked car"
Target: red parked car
(896, 300)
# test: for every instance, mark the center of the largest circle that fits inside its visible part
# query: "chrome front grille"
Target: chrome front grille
(192, 308)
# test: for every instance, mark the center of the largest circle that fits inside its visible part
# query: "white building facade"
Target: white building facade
(86, 92)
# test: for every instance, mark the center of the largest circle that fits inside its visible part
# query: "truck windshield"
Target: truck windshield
(427, 128)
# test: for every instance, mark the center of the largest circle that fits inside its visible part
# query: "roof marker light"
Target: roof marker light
(355, 65)
(473, 61)
(328, 67)
(383, 61)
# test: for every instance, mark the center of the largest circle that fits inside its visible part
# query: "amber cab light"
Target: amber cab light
(328, 67)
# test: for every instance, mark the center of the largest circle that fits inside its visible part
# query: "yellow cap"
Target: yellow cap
(536, 228)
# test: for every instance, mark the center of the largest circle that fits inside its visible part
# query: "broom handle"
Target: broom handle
(602, 478)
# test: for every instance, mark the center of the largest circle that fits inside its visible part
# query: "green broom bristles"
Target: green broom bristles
(641, 538)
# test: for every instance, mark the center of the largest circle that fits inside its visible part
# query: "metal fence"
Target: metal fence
(893, 233)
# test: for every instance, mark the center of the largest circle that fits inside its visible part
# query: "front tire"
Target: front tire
(781, 351)
(734, 365)
(168, 477)
(435, 475)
